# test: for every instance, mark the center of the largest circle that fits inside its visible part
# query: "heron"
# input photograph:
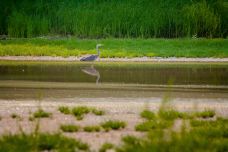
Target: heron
(92, 57)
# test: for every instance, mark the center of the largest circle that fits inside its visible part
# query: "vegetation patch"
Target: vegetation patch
(171, 114)
(40, 142)
(91, 128)
(69, 128)
(97, 112)
(114, 47)
(206, 114)
(41, 114)
(204, 135)
(15, 116)
(144, 19)
(105, 147)
(64, 109)
(113, 124)
(147, 114)
(80, 111)
(151, 125)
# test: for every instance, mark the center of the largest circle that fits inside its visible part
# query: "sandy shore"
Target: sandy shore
(138, 59)
(125, 111)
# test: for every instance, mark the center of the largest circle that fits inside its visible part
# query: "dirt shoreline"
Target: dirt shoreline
(124, 111)
(137, 59)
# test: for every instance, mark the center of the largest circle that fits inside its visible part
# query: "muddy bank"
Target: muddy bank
(139, 59)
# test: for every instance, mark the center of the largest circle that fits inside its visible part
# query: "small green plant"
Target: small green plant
(80, 111)
(31, 118)
(170, 114)
(41, 114)
(64, 110)
(69, 128)
(149, 115)
(91, 128)
(105, 147)
(150, 125)
(146, 126)
(97, 112)
(15, 116)
(113, 124)
(206, 114)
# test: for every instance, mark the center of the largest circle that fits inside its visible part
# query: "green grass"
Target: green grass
(203, 135)
(114, 18)
(40, 142)
(80, 111)
(97, 112)
(105, 147)
(69, 128)
(41, 114)
(171, 114)
(91, 128)
(147, 114)
(116, 47)
(113, 124)
(151, 125)
(206, 114)
(64, 110)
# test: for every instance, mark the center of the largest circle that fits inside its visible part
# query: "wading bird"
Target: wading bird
(92, 57)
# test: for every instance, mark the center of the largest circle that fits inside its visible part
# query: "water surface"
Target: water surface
(26, 80)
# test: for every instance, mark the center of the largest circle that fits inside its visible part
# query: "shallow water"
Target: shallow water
(33, 80)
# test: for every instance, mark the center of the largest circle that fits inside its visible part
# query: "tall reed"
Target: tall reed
(114, 18)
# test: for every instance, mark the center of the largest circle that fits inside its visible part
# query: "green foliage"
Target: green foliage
(80, 111)
(170, 114)
(40, 113)
(149, 115)
(97, 112)
(114, 18)
(206, 114)
(91, 128)
(151, 125)
(113, 124)
(64, 109)
(203, 135)
(116, 47)
(105, 147)
(69, 128)
(39, 142)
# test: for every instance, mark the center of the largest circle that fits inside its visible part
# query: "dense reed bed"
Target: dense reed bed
(114, 18)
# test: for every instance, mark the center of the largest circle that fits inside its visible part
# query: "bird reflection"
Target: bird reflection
(92, 71)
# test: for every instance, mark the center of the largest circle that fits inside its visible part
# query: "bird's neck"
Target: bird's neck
(98, 52)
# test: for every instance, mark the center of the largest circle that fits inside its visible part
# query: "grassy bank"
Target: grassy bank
(116, 47)
(114, 18)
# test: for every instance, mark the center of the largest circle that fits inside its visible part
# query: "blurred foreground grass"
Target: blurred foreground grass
(167, 130)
